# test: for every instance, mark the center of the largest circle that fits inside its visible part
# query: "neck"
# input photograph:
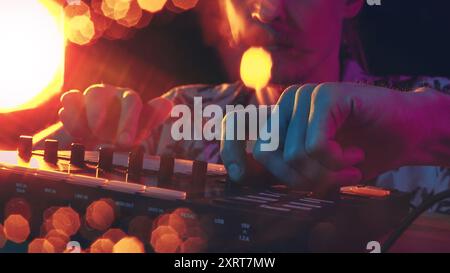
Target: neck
(328, 70)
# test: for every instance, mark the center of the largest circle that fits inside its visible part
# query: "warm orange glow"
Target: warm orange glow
(256, 68)
(165, 239)
(129, 245)
(41, 246)
(152, 5)
(185, 4)
(31, 53)
(17, 228)
(100, 214)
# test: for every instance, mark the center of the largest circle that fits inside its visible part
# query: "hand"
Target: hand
(340, 133)
(108, 114)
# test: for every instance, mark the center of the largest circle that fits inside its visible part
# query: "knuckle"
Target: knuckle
(94, 90)
(323, 91)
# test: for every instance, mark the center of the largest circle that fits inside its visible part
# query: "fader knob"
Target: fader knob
(51, 151)
(166, 168)
(25, 147)
(77, 152)
(136, 161)
(199, 171)
(105, 158)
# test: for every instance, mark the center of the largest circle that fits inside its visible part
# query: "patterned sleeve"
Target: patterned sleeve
(161, 141)
(437, 83)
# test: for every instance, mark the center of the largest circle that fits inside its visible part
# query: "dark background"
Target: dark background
(407, 37)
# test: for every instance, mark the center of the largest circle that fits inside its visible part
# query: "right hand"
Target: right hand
(113, 115)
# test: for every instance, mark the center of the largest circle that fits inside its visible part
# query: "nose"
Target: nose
(267, 11)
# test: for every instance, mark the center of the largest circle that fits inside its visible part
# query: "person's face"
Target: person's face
(301, 35)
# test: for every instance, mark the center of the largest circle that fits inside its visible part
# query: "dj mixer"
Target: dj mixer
(233, 218)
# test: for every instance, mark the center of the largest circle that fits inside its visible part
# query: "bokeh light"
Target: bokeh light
(18, 206)
(256, 68)
(31, 53)
(17, 228)
(41, 246)
(114, 234)
(152, 5)
(133, 15)
(80, 29)
(179, 231)
(58, 238)
(66, 220)
(101, 214)
(185, 4)
(116, 9)
(129, 245)
(102, 245)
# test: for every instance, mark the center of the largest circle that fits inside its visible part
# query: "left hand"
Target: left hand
(339, 133)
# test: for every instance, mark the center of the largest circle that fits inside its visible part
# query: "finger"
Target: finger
(73, 114)
(154, 113)
(131, 106)
(232, 151)
(273, 160)
(282, 171)
(294, 150)
(329, 111)
(103, 111)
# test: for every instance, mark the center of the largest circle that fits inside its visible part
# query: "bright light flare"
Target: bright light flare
(31, 53)
(256, 68)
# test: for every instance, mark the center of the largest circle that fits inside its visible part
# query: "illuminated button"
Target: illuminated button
(365, 191)
(86, 181)
(51, 151)
(105, 158)
(164, 193)
(25, 146)
(77, 152)
(124, 187)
